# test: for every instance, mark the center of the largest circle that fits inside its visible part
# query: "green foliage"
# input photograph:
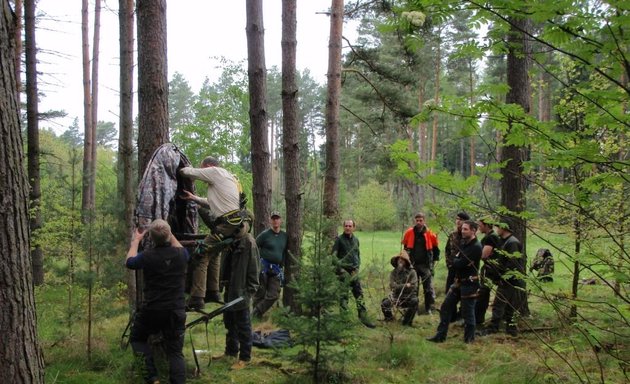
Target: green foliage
(372, 208)
(319, 326)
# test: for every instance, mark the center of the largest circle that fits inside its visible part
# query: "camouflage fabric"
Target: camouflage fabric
(159, 191)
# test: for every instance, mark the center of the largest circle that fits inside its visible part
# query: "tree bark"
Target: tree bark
(32, 126)
(291, 149)
(152, 79)
(125, 139)
(513, 182)
(19, 11)
(87, 205)
(438, 72)
(331, 176)
(20, 354)
(257, 75)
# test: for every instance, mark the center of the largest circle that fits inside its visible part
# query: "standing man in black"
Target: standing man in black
(465, 286)
(163, 309)
(452, 247)
(489, 273)
(506, 301)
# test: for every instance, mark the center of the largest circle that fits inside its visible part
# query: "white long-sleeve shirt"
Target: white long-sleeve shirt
(223, 195)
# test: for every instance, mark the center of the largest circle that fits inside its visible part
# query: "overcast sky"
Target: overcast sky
(198, 30)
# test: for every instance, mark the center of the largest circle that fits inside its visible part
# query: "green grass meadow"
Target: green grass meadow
(388, 354)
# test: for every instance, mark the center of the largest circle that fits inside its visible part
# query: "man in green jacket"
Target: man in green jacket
(240, 266)
(348, 261)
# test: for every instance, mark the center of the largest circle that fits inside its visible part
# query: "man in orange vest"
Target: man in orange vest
(422, 245)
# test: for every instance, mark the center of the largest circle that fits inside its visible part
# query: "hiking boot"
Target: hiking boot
(367, 322)
(213, 297)
(195, 304)
(436, 339)
(511, 330)
(488, 331)
(153, 380)
(224, 357)
(239, 365)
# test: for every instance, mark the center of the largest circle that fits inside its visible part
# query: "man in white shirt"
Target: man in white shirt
(223, 201)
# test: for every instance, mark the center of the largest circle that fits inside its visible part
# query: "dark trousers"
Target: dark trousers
(466, 293)
(352, 279)
(410, 305)
(425, 276)
(238, 340)
(483, 302)
(172, 325)
(504, 305)
(267, 294)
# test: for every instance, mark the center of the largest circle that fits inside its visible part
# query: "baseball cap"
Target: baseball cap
(275, 214)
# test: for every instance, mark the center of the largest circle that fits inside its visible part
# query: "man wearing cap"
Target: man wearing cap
(348, 260)
(224, 203)
(272, 244)
(403, 282)
(506, 300)
(465, 286)
(422, 246)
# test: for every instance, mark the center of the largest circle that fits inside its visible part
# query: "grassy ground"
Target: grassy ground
(388, 354)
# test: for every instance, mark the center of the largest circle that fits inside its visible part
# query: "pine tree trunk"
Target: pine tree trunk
(18, 10)
(32, 126)
(125, 140)
(331, 177)
(513, 181)
(257, 75)
(152, 79)
(20, 354)
(87, 204)
(438, 72)
(291, 149)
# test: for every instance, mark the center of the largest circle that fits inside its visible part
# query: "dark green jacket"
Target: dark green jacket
(240, 267)
(346, 249)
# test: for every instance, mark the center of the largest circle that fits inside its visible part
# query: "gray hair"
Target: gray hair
(160, 232)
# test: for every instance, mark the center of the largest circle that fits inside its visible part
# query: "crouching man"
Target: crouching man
(403, 282)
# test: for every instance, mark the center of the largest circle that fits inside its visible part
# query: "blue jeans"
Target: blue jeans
(466, 293)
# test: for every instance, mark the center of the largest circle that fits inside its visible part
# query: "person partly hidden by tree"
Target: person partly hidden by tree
(403, 282)
(240, 266)
(508, 265)
(347, 259)
(544, 265)
(422, 246)
(272, 244)
(225, 216)
(163, 310)
(464, 287)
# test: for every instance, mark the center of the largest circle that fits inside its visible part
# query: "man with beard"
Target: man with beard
(465, 286)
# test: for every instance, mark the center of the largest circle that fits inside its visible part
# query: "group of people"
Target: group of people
(234, 262)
